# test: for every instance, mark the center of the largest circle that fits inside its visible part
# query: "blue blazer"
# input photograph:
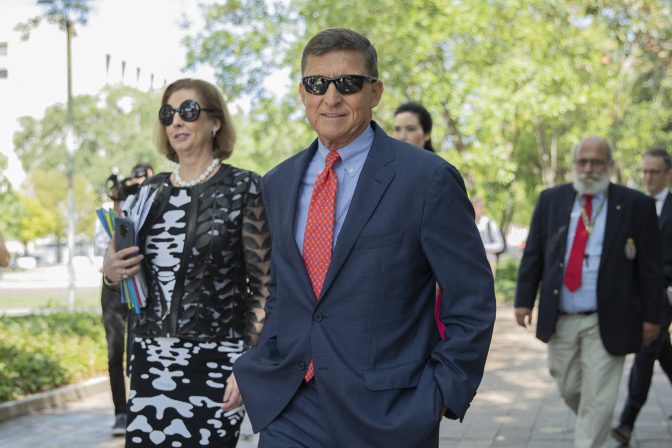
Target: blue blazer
(382, 371)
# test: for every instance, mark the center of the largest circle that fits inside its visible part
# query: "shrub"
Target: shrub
(505, 281)
(41, 352)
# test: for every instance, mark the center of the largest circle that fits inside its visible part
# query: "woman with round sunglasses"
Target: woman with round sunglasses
(413, 124)
(203, 251)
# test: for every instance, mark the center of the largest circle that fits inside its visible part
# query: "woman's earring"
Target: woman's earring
(214, 132)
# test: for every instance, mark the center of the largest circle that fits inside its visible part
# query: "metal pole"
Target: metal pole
(70, 146)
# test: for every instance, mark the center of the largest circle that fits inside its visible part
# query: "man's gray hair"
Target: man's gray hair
(341, 39)
(603, 141)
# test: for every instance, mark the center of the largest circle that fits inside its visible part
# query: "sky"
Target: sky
(144, 33)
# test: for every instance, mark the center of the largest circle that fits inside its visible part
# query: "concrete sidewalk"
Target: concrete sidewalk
(517, 406)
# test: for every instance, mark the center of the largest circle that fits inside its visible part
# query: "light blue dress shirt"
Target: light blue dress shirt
(353, 155)
(585, 297)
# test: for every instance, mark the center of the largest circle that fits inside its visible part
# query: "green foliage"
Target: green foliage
(512, 85)
(505, 280)
(59, 12)
(10, 207)
(113, 129)
(33, 220)
(41, 352)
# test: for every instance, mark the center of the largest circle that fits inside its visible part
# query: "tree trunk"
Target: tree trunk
(453, 129)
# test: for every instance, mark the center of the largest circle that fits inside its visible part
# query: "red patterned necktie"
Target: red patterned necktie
(575, 263)
(319, 235)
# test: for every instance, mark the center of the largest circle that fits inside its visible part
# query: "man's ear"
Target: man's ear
(377, 89)
(302, 93)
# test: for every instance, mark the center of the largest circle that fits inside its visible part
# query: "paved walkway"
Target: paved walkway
(517, 406)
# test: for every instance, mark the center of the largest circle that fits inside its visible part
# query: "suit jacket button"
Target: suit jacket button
(301, 365)
(317, 317)
(555, 292)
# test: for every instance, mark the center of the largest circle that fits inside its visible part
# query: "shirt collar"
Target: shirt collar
(353, 155)
(662, 195)
(596, 197)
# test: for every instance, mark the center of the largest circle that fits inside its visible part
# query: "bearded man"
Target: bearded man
(594, 252)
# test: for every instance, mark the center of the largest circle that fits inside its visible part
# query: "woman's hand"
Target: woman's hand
(232, 397)
(116, 267)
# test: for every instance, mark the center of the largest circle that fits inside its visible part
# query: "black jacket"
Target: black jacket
(628, 290)
(221, 290)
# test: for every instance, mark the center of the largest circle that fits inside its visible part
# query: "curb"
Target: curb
(54, 398)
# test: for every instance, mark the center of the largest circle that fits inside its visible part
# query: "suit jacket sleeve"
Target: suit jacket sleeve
(532, 264)
(650, 262)
(666, 236)
(269, 330)
(453, 247)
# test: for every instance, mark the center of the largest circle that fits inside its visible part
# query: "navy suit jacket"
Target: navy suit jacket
(665, 225)
(381, 368)
(628, 290)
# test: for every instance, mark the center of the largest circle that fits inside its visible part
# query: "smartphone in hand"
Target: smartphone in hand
(124, 233)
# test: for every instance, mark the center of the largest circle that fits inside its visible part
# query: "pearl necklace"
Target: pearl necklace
(199, 179)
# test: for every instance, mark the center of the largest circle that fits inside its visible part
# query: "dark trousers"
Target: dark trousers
(115, 314)
(301, 424)
(641, 373)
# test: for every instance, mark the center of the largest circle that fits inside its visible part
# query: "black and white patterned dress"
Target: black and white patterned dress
(177, 383)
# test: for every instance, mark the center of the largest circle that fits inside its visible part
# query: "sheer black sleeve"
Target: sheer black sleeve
(257, 256)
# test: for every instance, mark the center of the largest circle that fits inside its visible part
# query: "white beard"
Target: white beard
(591, 184)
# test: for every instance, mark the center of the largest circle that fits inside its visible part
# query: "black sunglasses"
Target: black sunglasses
(189, 111)
(346, 84)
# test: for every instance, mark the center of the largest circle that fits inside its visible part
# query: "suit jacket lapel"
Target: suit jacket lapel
(376, 175)
(666, 212)
(614, 214)
(289, 219)
(565, 209)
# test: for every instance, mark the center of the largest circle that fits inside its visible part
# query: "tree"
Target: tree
(59, 12)
(114, 129)
(34, 221)
(45, 202)
(513, 85)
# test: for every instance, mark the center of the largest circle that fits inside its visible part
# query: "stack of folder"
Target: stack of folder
(133, 289)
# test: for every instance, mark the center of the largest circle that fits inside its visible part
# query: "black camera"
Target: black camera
(118, 187)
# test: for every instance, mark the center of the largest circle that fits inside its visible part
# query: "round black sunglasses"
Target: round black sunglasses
(189, 111)
(345, 84)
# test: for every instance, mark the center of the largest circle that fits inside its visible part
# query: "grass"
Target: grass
(48, 300)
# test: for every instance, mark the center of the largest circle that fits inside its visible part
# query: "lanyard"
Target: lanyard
(589, 221)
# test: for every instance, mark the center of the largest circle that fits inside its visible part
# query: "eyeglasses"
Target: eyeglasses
(141, 172)
(597, 163)
(346, 84)
(651, 172)
(189, 111)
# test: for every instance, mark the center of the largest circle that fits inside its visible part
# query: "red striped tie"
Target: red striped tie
(575, 262)
(319, 235)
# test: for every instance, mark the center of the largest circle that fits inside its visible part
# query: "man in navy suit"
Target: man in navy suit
(354, 358)
(657, 174)
(594, 247)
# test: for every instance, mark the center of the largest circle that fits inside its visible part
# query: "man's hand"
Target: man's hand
(650, 333)
(232, 397)
(521, 314)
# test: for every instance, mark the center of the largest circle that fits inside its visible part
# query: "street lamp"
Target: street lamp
(61, 11)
